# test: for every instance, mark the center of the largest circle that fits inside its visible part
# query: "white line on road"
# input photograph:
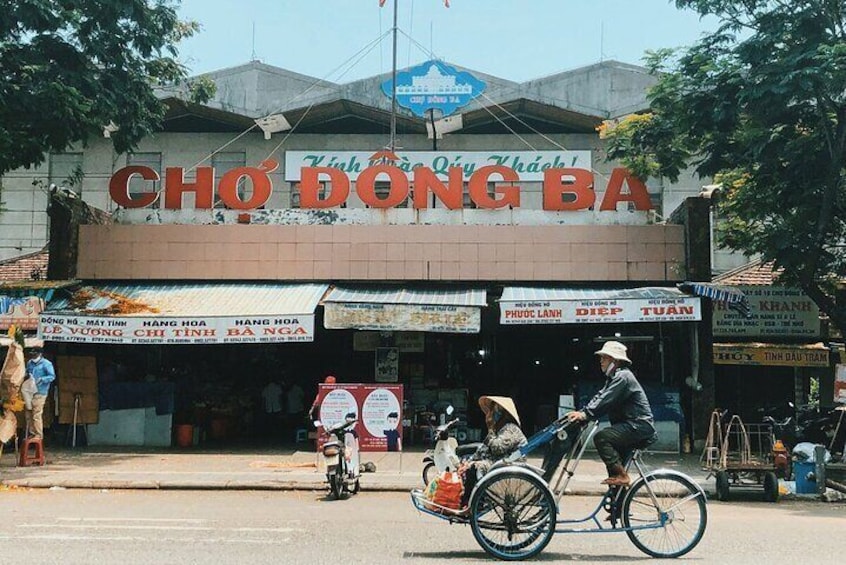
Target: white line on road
(68, 537)
(83, 519)
(163, 527)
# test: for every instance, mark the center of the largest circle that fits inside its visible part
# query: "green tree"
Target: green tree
(759, 106)
(69, 68)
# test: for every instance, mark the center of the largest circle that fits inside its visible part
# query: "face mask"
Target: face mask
(609, 370)
(496, 416)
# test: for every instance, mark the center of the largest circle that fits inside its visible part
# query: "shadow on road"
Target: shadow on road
(544, 556)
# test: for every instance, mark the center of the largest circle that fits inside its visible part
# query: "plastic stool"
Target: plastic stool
(36, 459)
(301, 435)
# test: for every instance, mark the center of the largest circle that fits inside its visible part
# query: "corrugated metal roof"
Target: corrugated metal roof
(437, 297)
(547, 294)
(213, 299)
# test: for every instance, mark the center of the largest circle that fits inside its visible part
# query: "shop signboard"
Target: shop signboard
(840, 383)
(682, 309)
(530, 165)
(775, 312)
(770, 355)
(195, 330)
(327, 180)
(401, 317)
(378, 409)
(407, 342)
(433, 85)
(387, 364)
(20, 311)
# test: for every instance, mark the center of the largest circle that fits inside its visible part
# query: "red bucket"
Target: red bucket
(185, 435)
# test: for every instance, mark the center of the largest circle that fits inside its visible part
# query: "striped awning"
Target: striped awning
(184, 313)
(732, 297)
(451, 310)
(570, 305)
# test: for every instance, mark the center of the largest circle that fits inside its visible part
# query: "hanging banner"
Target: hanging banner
(529, 165)
(840, 384)
(401, 317)
(775, 312)
(378, 409)
(387, 364)
(132, 330)
(770, 355)
(20, 311)
(685, 309)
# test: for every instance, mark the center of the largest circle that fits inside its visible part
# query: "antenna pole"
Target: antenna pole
(394, 85)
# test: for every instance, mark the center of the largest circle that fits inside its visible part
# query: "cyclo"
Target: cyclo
(513, 512)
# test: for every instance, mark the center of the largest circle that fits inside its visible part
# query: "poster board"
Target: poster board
(78, 375)
(372, 404)
(387, 364)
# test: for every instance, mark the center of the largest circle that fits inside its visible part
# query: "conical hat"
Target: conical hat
(504, 402)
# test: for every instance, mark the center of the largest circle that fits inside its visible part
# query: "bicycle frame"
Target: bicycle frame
(613, 496)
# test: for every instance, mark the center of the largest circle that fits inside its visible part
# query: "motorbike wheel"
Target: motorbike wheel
(429, 473)
(336, 485)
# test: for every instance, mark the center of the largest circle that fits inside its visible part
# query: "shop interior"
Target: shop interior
(217, 390)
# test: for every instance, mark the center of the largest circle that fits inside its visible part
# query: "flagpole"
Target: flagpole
(394, 85)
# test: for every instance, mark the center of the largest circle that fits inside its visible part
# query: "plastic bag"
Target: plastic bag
(448, 491)
(804, 451)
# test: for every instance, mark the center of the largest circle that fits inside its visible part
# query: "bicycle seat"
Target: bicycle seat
(643, 444)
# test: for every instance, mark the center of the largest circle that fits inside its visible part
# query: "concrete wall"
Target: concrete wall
(416, 253)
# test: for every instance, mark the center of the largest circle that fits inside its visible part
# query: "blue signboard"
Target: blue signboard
(434, 85)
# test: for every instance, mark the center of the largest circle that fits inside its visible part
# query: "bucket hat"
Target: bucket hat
(503, 402)
(615, 350)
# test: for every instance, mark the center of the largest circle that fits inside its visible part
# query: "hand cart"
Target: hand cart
(740, 455)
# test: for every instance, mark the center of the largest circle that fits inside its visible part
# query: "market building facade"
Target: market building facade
(271, 232)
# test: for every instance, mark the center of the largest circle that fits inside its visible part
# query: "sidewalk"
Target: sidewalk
(257, 469)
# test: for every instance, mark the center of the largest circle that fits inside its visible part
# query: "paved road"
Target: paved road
(221, 527)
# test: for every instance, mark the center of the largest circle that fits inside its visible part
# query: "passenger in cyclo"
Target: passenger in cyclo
(504, 436)
(622, 399)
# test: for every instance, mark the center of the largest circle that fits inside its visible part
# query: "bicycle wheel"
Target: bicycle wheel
(513, 515)
(670, 523)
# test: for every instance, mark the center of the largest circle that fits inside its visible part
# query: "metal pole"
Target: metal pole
(434, 131)
(394, 85)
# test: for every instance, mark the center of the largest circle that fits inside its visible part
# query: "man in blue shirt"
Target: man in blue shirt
(41, 371)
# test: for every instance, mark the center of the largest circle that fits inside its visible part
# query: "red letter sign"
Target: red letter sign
(426, 180)
(339, 187)
(119, 187)
(203, 187)
(581, 187)
(478, 187)
(365, 186)
(637, 191)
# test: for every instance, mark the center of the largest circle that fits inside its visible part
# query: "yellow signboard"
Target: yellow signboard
(771, 355)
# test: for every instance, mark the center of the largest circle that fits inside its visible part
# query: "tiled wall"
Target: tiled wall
(360, 252)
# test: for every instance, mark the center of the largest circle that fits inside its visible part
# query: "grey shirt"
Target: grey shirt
(622, 399)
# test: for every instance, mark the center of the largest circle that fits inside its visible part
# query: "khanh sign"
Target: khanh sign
(568, 183)
(137, 330)
(776, 312)
(601, 311)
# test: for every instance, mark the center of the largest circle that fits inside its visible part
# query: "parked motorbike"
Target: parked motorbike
(446, 455)
(340, 454)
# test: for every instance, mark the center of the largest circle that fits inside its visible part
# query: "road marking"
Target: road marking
(84, 519)
(68, 537)
(162, 527)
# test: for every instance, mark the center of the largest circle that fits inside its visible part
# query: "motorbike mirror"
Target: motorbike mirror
(317, 423)
(791, 405)
(450, 410)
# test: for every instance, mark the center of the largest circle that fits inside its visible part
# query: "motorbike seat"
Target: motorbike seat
(467, 449)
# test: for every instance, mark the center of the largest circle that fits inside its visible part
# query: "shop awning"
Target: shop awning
(448, 310)
(732, 297)
(184, 313)
(568, 305)
(772, 354)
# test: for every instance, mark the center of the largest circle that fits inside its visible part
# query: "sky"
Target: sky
(516, 40)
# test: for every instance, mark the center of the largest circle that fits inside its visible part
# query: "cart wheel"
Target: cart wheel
(665, 515)
(770, 487)
(513, 515)
(722, 485)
